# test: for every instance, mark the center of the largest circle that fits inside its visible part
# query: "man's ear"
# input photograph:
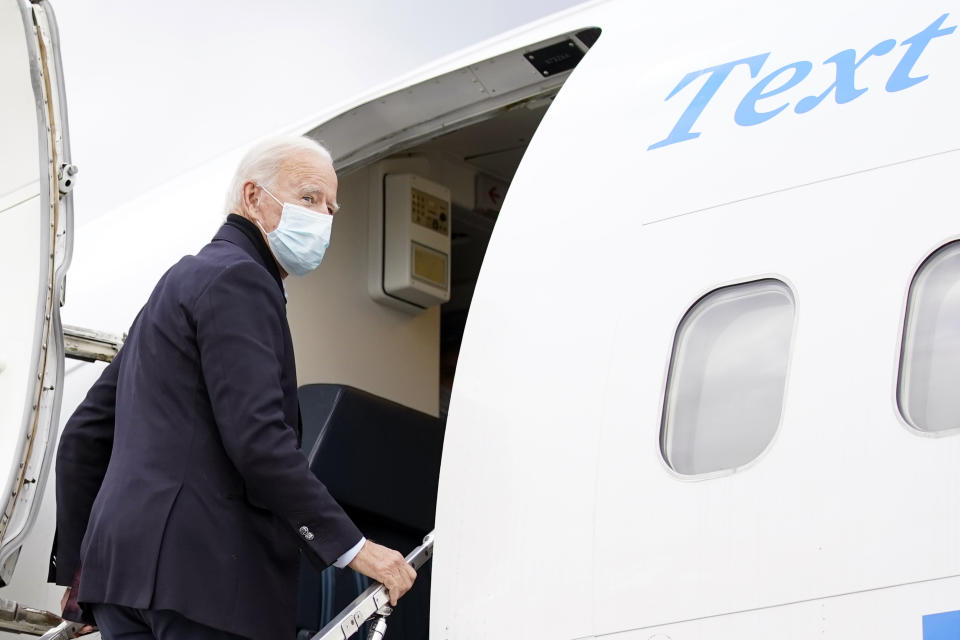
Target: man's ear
(251, 195)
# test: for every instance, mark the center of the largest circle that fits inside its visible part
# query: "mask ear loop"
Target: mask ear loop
(264, 189)
(270, 194)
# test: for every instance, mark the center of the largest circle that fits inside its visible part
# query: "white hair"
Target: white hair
(262, 164)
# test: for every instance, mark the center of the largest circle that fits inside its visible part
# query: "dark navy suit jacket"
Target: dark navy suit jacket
(180, 482)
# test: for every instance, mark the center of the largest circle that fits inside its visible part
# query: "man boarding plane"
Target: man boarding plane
(706, 383)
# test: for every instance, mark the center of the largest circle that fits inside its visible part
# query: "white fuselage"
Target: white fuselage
(558, 516)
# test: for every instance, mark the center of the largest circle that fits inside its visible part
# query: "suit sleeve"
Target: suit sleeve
(82, 458)
(240, 328)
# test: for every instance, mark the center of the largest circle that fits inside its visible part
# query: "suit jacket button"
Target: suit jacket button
(306, 533)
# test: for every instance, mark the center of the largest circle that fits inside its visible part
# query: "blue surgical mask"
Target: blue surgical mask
(301, 239)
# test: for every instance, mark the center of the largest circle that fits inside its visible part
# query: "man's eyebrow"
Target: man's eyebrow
(311, 189)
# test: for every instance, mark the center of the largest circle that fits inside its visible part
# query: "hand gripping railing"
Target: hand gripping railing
(374, 602)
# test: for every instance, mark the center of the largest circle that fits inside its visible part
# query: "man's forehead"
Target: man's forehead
(307, 162)
(308, 170)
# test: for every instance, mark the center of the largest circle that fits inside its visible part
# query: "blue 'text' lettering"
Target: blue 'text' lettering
(942, 626)
(901, 79)
(747, 114)
(845, 86)
(681, 130)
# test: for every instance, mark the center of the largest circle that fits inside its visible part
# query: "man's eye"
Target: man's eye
(308, 199)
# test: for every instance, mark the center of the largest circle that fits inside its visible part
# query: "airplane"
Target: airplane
(698, 265)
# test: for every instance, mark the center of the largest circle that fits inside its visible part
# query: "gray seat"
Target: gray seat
(381, 461)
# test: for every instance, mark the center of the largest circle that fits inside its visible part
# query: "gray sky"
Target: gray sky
(156, 88)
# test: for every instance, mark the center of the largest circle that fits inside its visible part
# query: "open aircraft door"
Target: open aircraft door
(36, 223)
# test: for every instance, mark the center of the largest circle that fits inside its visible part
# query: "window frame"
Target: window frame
(928, 256)
(671, 366)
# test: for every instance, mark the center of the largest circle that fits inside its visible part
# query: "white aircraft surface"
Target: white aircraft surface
(707, 385)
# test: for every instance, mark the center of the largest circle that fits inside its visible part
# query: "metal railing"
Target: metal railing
(372, 603)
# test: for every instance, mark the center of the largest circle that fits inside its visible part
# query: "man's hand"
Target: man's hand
(387, 566)
(64, 601)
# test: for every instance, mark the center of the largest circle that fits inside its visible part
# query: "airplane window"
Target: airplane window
(727, 377)
(930, 352)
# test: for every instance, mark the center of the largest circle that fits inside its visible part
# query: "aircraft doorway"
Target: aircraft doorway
(341, 418)
(371, 365)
